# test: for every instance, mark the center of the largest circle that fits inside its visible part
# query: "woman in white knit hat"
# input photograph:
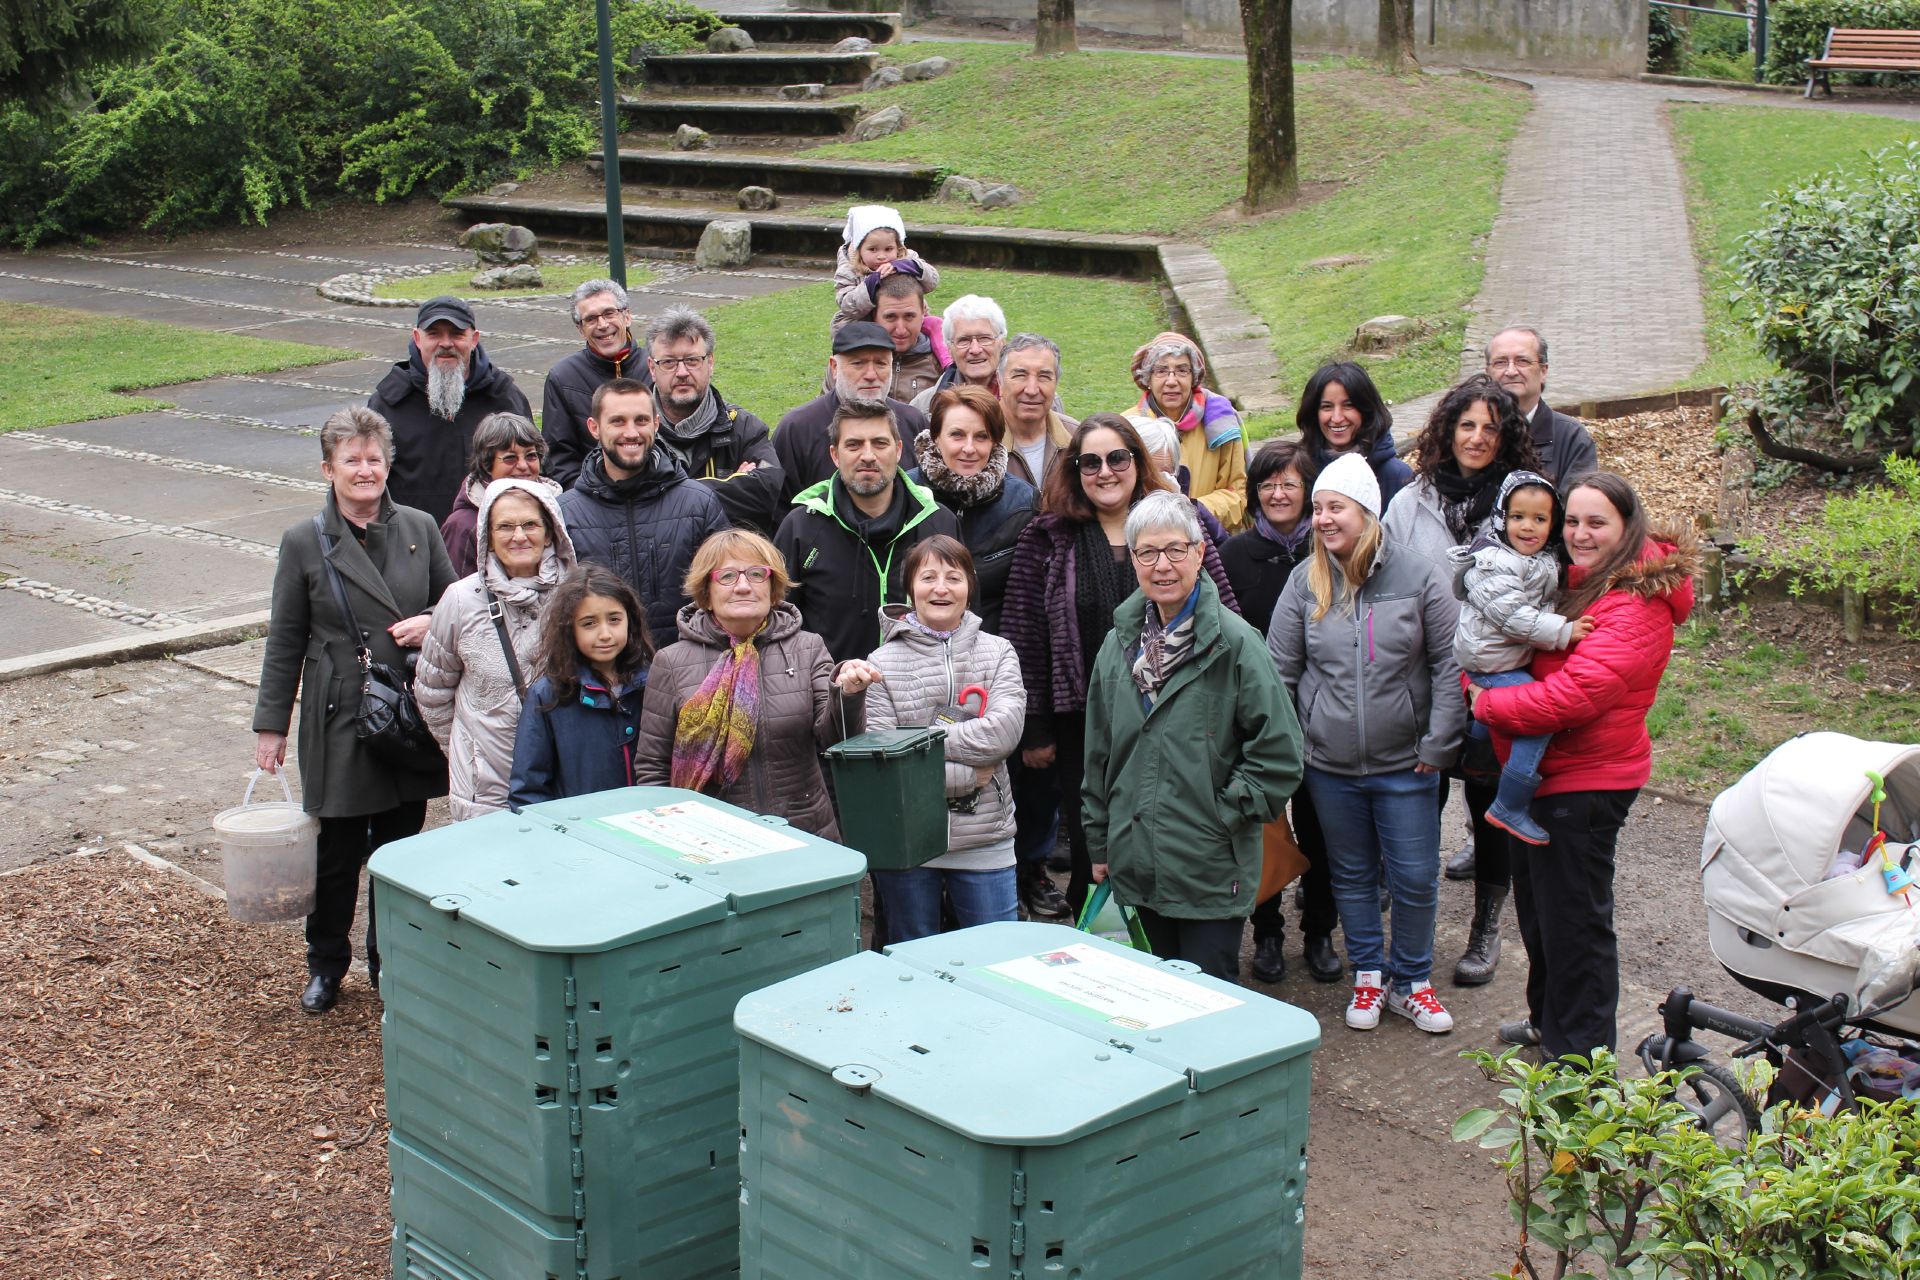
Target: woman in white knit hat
(1363, 637)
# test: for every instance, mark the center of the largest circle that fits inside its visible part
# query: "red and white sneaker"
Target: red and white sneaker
(1424, 1007)
(1363, 1013)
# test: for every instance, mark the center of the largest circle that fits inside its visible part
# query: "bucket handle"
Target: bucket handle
(255, 778)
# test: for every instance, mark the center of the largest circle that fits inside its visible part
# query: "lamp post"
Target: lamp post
(610, 149)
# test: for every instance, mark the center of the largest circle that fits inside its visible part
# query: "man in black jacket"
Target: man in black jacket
(859, 372)
(1517, 360)
(721, 445)
(600, 312)
(434, 399)
(846, 540)
(634, 510)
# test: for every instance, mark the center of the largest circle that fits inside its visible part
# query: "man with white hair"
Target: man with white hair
(602, 315)
(434, 399)
(975, 331)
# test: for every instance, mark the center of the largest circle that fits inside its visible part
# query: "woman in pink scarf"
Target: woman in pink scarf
(1213, 450)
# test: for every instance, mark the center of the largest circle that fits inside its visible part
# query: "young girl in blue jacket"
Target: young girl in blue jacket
(576, 734)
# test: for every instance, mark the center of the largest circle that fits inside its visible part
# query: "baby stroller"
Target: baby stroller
(1808, 870)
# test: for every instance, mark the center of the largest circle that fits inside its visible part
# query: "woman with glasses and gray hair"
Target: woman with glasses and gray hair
(505, 446)
(1191, 748)
(1212, 447)
(1070, 572)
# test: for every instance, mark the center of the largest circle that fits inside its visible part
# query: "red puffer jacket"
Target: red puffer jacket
(1594, 697)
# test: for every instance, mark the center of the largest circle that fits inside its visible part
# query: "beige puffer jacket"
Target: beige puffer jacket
(462, 683)
(924, 674)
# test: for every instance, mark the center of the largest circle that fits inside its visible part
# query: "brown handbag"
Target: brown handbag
(1281, 860)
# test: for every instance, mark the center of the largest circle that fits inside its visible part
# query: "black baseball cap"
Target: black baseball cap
(859, 336)
(448, 307)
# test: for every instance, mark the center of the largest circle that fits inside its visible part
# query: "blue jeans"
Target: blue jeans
(1526, 752)
(912, 899)
(1387, 821)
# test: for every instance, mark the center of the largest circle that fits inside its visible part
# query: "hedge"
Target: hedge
(1797, 30)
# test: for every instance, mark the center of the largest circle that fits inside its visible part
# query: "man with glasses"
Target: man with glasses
(859, 371)
(975, 331)
(599, 309)
(1517, 360)
(721, 445)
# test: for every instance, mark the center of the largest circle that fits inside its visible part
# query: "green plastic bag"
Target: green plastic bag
(1109, 919)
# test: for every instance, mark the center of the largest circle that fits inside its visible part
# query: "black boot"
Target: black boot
(1269, 961)
(322, 993)
(1323, 962)
(1483, 944)
(1040, 897)
(1460, 865)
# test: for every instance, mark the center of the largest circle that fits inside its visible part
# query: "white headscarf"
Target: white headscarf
(865, 219)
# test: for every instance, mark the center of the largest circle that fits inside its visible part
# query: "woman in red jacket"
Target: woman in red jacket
(1593, 698)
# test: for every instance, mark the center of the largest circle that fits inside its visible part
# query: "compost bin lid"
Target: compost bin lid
(963, 1059)
(749, 860)
(885, 744)
(542, 889)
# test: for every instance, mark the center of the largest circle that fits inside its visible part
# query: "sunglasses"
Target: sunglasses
(1116, 461)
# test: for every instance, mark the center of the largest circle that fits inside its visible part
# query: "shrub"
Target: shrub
(1797, 29)
(1866, 541)
(1830, 282)
(1615, 1170)
(1666, 40)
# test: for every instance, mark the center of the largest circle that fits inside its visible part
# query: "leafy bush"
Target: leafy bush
(253, 105)
(1797, 29)
(1867, 541)
(1614, 1170)
(1830, 282)
(1666, 39)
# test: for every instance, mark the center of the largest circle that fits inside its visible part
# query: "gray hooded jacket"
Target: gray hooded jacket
(1507, 598)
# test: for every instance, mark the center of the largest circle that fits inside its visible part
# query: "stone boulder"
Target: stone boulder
(802, 92)
(692, 138)
(962, 190)
(878, 125)
(500, 244)
(727, 242)
(1386, 333)
(927, 68)
(499, 189)
(729, 40)
(884, 78)
(755, 199)
(999, 197)
(524, 276)
(853, 44)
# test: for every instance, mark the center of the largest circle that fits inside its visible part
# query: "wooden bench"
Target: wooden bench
(1864, 50)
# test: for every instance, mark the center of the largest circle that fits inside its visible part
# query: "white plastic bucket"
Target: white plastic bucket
(269, 854)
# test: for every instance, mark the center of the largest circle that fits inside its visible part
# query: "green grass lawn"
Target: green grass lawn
(1097, 323)
(1736, 158)
(1402, 172)
(555, 279)
(68, 366)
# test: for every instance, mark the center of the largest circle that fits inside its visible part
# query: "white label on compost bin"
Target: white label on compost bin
(1111, 989)
(695, 833)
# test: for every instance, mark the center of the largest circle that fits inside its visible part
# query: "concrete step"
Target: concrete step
(795, 27)
(729, 171)
(709, 70)
(795, 235)
(739, 116)
(856, 6)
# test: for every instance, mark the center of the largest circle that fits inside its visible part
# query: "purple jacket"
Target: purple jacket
(1041, 618)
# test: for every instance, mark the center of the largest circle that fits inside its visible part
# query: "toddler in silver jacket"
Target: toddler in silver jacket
(1508, 581)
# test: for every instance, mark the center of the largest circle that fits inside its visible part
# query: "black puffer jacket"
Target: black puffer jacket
(751, 498)
(645, 528)
(568, 403)
(430, 453)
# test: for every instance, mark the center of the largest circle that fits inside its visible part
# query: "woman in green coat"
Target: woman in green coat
(393, 567)
(1192, 748)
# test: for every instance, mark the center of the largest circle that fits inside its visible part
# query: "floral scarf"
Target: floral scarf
(954, 490)
(714, 735)
(1163, 647)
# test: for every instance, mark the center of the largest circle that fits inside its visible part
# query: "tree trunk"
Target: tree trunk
(1396, 36)
(1273, 174)
(1053, 28)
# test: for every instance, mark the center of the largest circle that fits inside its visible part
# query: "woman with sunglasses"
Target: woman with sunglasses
(739, 707)
(1070, 572)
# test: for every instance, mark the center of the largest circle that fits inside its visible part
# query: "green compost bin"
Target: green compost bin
(561, 1073)
(891, 790)
(1020, 1100)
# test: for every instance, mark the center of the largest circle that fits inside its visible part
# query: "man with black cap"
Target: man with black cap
(434, 399)
(859, 372)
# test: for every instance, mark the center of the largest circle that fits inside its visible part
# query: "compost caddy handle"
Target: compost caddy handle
(255, 779)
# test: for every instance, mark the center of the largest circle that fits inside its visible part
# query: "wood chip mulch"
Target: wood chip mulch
(1670, 456)
(169, 1111)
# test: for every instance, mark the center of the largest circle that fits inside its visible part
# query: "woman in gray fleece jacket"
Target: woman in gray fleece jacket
(931, 652)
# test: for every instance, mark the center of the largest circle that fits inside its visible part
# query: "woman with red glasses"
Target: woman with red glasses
(1070, 572)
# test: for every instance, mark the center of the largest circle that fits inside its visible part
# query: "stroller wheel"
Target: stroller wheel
(1719, 1103)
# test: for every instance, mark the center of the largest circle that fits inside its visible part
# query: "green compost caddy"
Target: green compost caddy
(561, 1074)
(1020, 1100)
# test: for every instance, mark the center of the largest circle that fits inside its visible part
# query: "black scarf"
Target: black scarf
(1100, 587)
(1466, 501)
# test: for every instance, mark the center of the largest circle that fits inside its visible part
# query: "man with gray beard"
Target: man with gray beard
(434, 399)
(859, 371)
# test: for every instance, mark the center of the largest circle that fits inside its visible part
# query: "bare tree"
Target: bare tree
(1053, 28)
(1396, 36)
(1273, 171)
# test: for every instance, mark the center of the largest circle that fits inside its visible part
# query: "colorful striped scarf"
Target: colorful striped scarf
(714, 735)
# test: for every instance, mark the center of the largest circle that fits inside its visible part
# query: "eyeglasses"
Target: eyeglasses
(983, 341)
(524, 526)
(1182, 370)
(756, 574)
(1512, 362)
(1116, 460)
(669, 364)
(601, 317)
(1271, 487)
(1147, 557)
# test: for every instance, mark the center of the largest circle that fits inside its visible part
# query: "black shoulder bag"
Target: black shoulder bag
(497, 612)
(388, 721)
